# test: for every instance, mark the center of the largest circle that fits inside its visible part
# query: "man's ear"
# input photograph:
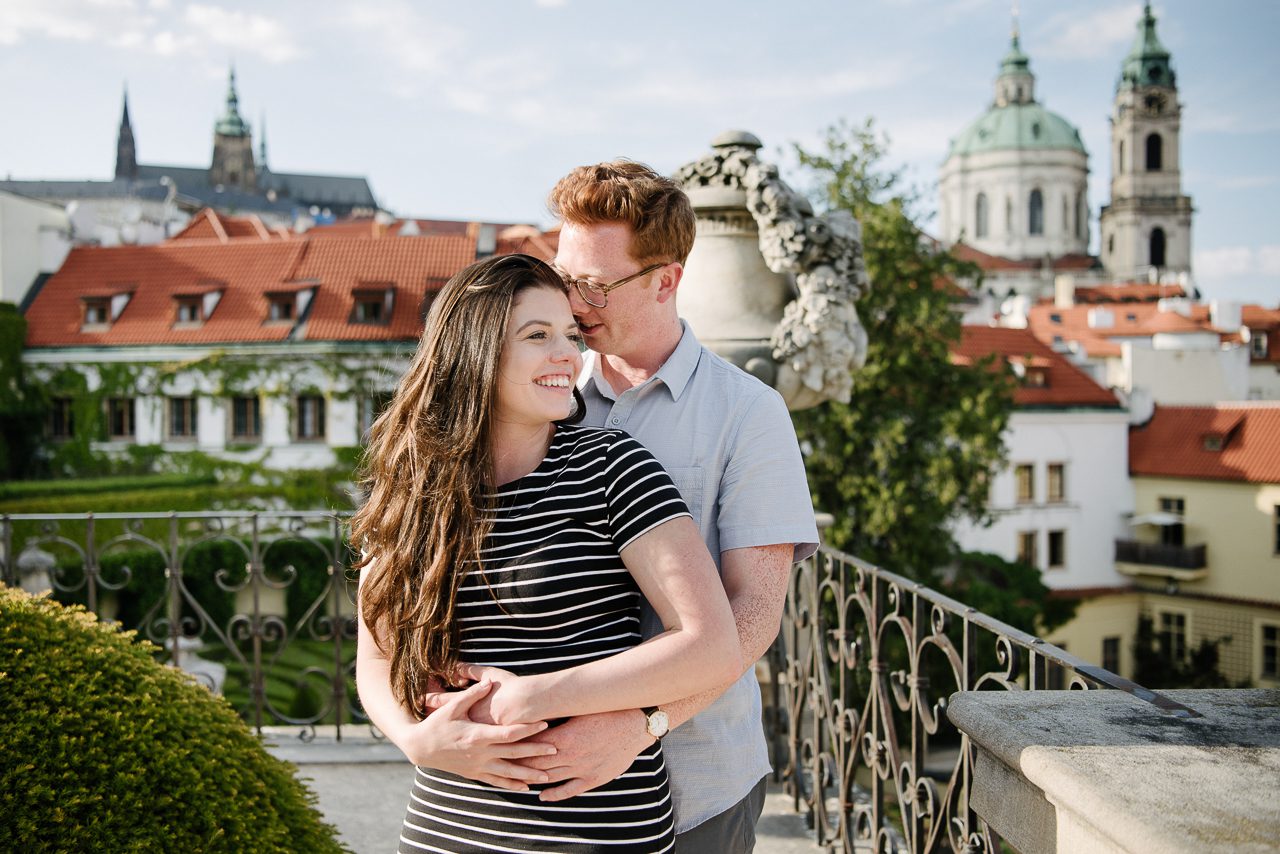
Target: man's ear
(669, 281)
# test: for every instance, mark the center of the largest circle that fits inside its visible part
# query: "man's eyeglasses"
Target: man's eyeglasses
(597, 295)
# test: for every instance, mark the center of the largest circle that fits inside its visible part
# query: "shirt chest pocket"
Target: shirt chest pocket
(689, 482)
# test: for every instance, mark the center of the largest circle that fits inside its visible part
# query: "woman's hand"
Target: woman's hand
(509, 702)
(452, 738)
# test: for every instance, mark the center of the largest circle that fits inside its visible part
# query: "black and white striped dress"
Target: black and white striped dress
(553, 594)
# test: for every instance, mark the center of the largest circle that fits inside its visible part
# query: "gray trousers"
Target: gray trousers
(731, 832)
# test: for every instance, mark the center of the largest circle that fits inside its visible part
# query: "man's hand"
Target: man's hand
(448, 740)
(591, 750)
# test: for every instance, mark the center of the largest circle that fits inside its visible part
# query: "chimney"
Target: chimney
(1225, 315)
(1064, 291)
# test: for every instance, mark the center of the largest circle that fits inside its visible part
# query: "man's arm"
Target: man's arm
(447, 739)
(594, 749)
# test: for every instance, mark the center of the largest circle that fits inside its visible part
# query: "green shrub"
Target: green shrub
(103, 749)
(16, 489)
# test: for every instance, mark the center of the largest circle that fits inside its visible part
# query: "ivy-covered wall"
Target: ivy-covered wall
(22, 407)
(219, 375)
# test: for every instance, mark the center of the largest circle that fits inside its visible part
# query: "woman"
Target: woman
(497, 534)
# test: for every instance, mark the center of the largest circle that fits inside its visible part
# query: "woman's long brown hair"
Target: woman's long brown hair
(426, 468)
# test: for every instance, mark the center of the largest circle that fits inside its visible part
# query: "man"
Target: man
(727, 441)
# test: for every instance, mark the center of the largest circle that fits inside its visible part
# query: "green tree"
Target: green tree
(22, 410)
(911, 451)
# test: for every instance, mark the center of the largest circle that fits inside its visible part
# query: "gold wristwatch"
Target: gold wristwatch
(656, 722)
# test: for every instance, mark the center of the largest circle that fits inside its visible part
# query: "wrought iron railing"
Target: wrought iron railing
(1161, 554)
(263, 595)
(862, 670)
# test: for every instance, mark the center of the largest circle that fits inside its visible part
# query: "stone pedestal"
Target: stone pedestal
(1102, 771)
(211, 674)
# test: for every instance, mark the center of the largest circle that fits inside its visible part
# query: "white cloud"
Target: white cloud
(551, 4)
(403, 37)
(1238, 261)
(1070, 36)
(243, 31)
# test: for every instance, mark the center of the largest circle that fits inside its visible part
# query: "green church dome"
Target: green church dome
(1017, 126)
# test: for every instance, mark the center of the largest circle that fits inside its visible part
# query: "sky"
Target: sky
(472, 110)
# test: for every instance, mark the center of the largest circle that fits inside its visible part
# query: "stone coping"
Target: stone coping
(1114, 774)
(358, 746)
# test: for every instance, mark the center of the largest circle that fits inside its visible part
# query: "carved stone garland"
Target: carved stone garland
(820, 337)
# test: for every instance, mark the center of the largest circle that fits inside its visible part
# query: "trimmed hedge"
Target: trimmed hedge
(15, 489)
(103, 749)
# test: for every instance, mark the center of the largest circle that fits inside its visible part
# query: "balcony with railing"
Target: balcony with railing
(899, 719)
(1181, 563)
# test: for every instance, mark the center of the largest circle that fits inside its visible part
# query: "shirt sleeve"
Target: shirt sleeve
(638, 491)
(764, 492)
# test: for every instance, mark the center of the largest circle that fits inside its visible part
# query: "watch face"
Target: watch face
(658, 723)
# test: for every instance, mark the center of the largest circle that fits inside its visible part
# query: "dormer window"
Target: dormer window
(1036, 377)
(1212, 442)
(189, 311)
(192, 310)
(281, 307)
(97, 311)
(372, 305)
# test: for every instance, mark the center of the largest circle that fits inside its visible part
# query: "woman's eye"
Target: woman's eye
(579, 342)
(537, 336)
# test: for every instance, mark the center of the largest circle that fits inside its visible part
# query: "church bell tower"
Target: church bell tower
(233, 146)
(1146, 229)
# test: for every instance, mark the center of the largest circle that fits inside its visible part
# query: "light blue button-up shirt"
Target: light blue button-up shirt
(727, 441)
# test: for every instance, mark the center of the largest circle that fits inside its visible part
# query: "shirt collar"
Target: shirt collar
(675, 372)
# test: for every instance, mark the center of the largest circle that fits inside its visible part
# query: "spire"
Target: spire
(262, 144)
(1015, 83)
(231, 124)
(126, 153)
(1148, 62)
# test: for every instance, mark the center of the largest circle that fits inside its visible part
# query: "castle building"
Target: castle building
(146, 202)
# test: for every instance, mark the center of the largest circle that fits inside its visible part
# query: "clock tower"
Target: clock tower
(1147, 225)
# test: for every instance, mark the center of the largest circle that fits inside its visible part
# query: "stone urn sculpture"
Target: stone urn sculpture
(770, 286)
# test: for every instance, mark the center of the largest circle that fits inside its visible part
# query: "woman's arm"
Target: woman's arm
(698, 650)
(447, 739)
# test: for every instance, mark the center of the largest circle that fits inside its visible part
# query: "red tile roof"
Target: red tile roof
(1066, 386)
(1173, 443)
(208, 224)
(997, 263)
(528, 240)
(411, 265)
(244, 271)
(366, 226)
(1125, 292)
(1142, 319)
(1267, 322)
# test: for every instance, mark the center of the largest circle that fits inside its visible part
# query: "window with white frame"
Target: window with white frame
(1027, 547)
(1057, 549)
(1171, 635)
(120, 418)
(1057, 482)
(1258, 345)
(1269, 648)
(182, 418)
(309, 418)
(1025, 476)
(61, 418)
(1111, 654)
(368, 408)
(246, 419)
